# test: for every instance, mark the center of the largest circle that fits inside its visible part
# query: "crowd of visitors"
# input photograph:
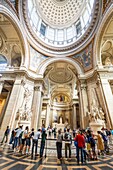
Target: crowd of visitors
(88, 145)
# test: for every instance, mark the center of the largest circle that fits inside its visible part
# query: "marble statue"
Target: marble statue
(24, 113)
(96, 119)
(108, 61)
(96, 114)
(102, 115)
(60, 120)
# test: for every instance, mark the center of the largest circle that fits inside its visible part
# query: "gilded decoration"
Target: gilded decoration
(61, 99)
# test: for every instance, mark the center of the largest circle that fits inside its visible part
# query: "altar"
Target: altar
(60, 125)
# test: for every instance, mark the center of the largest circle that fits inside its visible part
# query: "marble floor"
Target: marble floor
(11, 161)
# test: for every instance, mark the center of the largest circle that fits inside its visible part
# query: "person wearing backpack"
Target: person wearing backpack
(16, 138)
(59, 144)
(105, 139)
(35, 143)
(93, 145)
(111, 130)
(68, 142)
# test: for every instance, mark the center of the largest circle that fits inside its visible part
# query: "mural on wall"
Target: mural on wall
(36, 59)
(85, 57)
(61, 98)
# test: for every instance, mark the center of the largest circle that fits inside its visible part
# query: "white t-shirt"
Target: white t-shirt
(36, 135)
(18, 132)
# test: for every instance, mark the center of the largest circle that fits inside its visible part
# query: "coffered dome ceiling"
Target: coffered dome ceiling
(60, 12)
(61, 25)
(60, 72)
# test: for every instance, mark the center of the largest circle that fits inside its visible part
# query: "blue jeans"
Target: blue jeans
(34, 144)
(15, 142)
(59, 149)
(11, 139)
(42, 148)
(81, 150)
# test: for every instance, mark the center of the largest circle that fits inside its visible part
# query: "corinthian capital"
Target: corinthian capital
(83, 87)
(37, 88)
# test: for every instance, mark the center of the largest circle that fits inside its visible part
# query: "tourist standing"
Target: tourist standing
(6, 134)
(68, 142)
(80, 145)
(54, 132)
(43, 140)
(59, 144)
(35, 143)
(100, 143)
(16, 138)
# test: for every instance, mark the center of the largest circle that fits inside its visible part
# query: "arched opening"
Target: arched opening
(60, 100)
(10, 45)
(103, 40)
(11, 56)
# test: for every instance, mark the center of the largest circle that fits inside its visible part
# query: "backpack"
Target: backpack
(112, 132)
(92, 141)
(76, 143)
(67, 137)
(20, 136)
(104, 137)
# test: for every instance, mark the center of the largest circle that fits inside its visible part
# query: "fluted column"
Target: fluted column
(36, 105)
(83, 100)
(1, 86)
(74, 117)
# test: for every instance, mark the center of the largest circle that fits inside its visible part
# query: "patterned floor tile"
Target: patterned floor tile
(11, 161)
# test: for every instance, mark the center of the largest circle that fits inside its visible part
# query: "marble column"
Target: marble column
(47, 115)
(1, 86)
(74, 117)
(83, 100)
(108, 96)
(36, 107)
(12, 107)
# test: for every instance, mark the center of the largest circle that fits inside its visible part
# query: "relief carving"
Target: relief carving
(24, 113)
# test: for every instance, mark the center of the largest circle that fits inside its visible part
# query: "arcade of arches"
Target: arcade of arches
(56, 69)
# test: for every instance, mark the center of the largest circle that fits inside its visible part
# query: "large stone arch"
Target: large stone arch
(101, 30)
(20, 31)
(44, 65)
